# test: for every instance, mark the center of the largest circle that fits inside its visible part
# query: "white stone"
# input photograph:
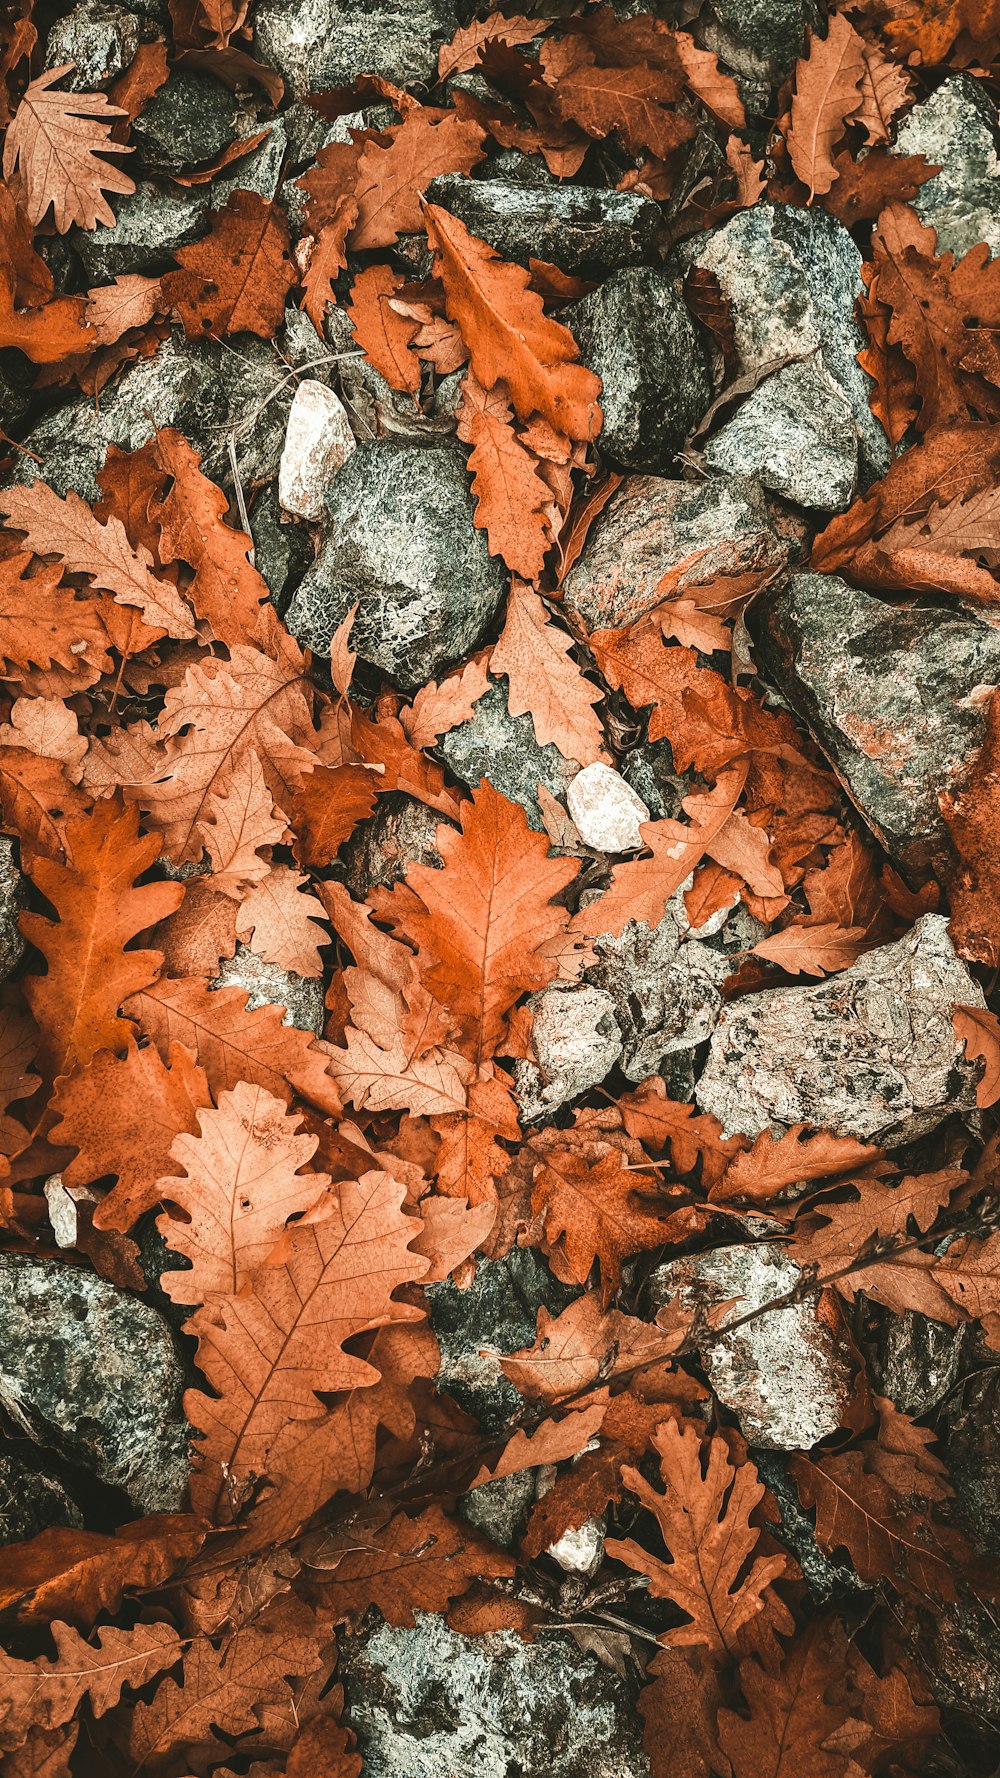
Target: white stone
(606, 810)
(577, 1041)
(580, 1551)
(63, 1201)
(318, 442)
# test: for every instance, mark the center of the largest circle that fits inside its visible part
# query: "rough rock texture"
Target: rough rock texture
(318, 442)
(13, 897)
(607, 812)
(636, 333)
(496, 1314)
(759, 40)
(401, 542)
(30, 1500)
(282, 549)
(401, 832)
(503, 749)
(579, 228)
(830, 1582)
(916, 1361)
(427, 1703)
(191, 119)
(317, 44)
(871, 1052)
(649, 526)
(576, 1039)
(791, 277)
(664, 986)
(150, 224)
(500, 1509)
(785, 1375)
(98, 38)
(650, 771)
(889, 693)
(970, 1427)
(92, 1371)
(267, 984)
(797, 434)
(956, 129)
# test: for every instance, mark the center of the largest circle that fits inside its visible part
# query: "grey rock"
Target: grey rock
(500, 1509)
(577, 1041)
(150, 224)
(30, 1500)
(13, 898)
(829, 1582)
(16, 391)
(497, 1314)
(968, 1425)
(282, 551)
(402, 831)
(759, 42)
(401, 543)
(791, 277)
(267, 984)
(318, 44)
(579, 228)
(502, 748)
(797, 434)
(92, 1372)
(516, 167)
(870, 1052)
(258, 171)
(649, 526)
(955, 129)
(913, 1360)
(785, 1375)
(664, 986)
(890, 693)
(190, 120)
(206, 389)
(650, 771)
(637, 335)
(427, 1702)
(100, 39)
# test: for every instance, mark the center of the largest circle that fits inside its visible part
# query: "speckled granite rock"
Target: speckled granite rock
(579, 228)
(576, 1039)
(502, 748)
(318, 44)
(956, 129)
(267, 984)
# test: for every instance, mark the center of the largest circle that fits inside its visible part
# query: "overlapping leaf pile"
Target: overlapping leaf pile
(179, 776)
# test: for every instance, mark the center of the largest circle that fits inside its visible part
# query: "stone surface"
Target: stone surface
(13, 898)
(150, 224)
(428, 1703)
(581, 1550)
(797, 434)
(100, 39)
(955, 129)
(190, 120)
(500, 1509)
(204, 388)
(830, 1582)
(969, 1424)
(267, 984)
(502, 749)
(637, 334)
(30, 1500)
(282, 549)
(318, 442)
(913, 1360)
(664, 986)
(317, 44)
(785, 1375)
(606, 810)
(649, 526)
(92, 1372)
(576, 1039)
(498, 1313)
(870, 1052)
(579, 228)
(401, 832)
(759, 40)
(650, 771)
(401, 542)
(791, 277)
(890, 693)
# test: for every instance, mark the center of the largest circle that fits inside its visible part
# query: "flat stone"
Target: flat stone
(258, 171)
(100, 39)
(956, 129)
(796, 433)
(606, 810)
(92, 1372)
(637, 335)
(870, 1052)
(267, 984)
(150, 224)
(13, 899)
(502, 748)
(664, 987)
(316, 44)
(651, 525)
(785, 1375)
(791, 277)
(402, 831)
(428, 1702)
(500, 1509)
(576, 1039)
(579, 228)
(191, 119)
(891, 694)
(401, 543)
(318, 442)
(497, 1314)
(581, 1550)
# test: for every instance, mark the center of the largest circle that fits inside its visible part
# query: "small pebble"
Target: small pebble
(318, 442)
(607, 811)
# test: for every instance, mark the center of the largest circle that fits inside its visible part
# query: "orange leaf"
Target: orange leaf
(75, 1575)
(590, 1205)
(513, 502)
(54, 143)
(391, 174)
(792, 1158)
(981, 1031)
(406, 1566)
(827, 92)
(383, 335)
(545, 682)
(237, 278)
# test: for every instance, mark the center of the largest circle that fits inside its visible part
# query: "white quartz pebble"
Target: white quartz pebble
(606, 810)
(318, 442)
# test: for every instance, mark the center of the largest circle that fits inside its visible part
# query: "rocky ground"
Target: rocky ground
(801, 977)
